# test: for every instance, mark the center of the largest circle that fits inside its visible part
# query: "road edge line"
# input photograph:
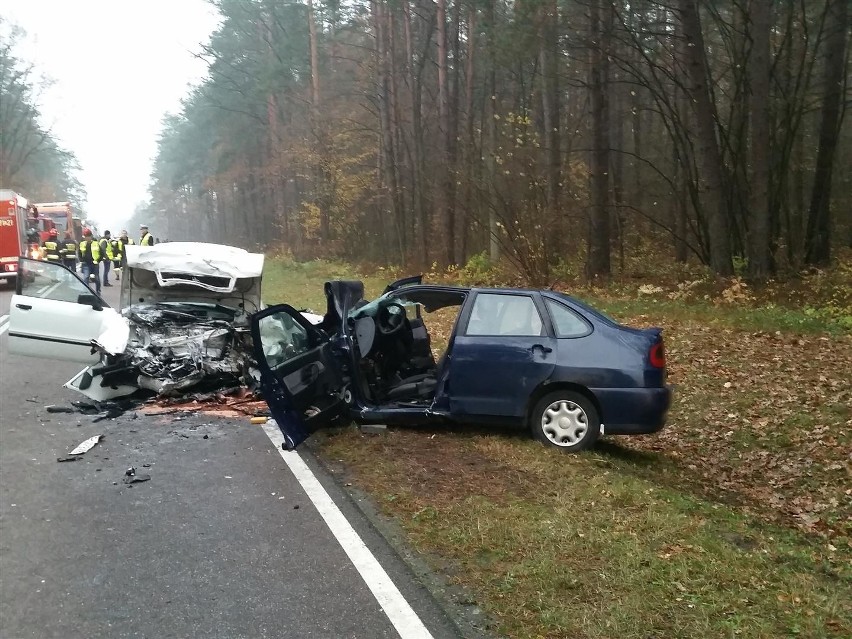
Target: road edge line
(395, 606)
(4, 324)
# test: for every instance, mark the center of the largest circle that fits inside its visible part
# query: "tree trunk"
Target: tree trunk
(598, 261)
(818, 236)
(717, 212)
(444, 190)
(759, 68)
(550, 111)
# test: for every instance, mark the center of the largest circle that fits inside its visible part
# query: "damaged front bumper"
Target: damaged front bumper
(169, 352)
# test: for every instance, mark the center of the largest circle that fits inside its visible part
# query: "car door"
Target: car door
(299, 377)
(54, 314)
(502, 351)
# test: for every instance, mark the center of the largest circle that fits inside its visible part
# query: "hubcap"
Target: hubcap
(564, 423)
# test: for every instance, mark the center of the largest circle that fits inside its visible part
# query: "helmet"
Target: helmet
(54, 233)
(87, 232)
(106, 233)
(143, 226)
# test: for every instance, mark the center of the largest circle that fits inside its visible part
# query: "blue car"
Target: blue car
(532, 358)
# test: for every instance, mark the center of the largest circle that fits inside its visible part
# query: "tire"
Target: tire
(565, 420)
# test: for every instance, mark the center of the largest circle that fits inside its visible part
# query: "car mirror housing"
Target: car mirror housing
(90, 299)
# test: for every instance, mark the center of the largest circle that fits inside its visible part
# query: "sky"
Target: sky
(117, 67)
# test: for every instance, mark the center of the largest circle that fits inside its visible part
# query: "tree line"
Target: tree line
(536, 131)
(32, 162)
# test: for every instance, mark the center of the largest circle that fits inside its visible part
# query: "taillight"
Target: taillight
(657, 355)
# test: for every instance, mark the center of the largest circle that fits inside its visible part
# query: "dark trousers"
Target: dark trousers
(107, 264)
(87, 269)
(71, 265)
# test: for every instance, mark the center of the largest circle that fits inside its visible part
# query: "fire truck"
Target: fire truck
(58, 215)
(17, 225)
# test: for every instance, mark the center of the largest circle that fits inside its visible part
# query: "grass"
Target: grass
(554, 546)
(734, 521)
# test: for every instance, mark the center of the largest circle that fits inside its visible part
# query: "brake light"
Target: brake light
(657, 355)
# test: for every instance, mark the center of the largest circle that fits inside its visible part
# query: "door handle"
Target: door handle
(23, 307)
(544, 349)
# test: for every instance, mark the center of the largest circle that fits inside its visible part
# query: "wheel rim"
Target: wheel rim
(564, 423)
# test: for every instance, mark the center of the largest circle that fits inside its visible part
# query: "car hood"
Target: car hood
(192, 272)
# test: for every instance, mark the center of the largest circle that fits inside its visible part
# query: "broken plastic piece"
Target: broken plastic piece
(258, 420)
(86, 446)
(136, 479)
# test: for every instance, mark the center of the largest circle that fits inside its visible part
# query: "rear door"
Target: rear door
(299, 377)
(54, 314)
(502, 351)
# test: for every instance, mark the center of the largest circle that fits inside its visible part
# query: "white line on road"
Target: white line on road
(4, 324)
(398, 610)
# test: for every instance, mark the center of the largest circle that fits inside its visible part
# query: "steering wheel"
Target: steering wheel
(389, 323)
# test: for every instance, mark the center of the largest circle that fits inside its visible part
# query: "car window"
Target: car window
(282, 339)
(50, 282)
(495, 314)
(566, 322)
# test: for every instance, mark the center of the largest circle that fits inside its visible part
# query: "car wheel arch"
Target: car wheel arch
(549, 387)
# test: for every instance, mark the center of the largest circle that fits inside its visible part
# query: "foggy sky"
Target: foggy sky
(117, 68)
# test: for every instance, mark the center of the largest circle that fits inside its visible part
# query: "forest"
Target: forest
(32, 162)
(537, 131)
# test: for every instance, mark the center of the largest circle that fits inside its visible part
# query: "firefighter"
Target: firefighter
(51, 247)
(69, 253)
(106, 255)
(146, 238)
(90, 257)
(117, 255)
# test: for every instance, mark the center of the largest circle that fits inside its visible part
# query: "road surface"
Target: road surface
(223, 541)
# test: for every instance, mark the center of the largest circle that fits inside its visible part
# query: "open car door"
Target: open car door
(54, 314)
(299, 378)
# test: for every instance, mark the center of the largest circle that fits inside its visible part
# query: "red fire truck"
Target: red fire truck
(58, 215)
(16, 218)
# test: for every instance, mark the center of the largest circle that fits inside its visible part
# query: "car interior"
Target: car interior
(397, 362)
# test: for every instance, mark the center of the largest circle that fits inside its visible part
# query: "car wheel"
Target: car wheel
(565, 420)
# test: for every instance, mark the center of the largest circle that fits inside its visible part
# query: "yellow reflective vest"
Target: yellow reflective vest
(147, 240)
(51, 250)
(90, 251)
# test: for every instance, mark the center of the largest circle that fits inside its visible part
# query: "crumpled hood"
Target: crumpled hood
(195, 271)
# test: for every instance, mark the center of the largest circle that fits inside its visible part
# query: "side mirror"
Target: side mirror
(90, 299)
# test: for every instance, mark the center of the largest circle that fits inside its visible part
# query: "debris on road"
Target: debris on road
(81, 449)
(258, 420)
(52, 408)
(130, 476)
(86, 446)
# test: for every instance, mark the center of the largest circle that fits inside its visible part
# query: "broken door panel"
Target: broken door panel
(299, 377)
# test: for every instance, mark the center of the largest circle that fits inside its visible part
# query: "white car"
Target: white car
(183, 319)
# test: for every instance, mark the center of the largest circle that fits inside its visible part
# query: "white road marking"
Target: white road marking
(4, 324)
(398, 610)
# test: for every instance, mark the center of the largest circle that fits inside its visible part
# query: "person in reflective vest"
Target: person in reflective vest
(69, 252)
(146, 238)
(123, 241)
(90, 257)
(106, 255)
(51, 247)
(117, 252)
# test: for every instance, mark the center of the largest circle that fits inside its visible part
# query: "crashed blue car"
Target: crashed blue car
(537, 359)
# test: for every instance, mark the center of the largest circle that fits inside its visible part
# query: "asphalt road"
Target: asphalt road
(221, 542)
